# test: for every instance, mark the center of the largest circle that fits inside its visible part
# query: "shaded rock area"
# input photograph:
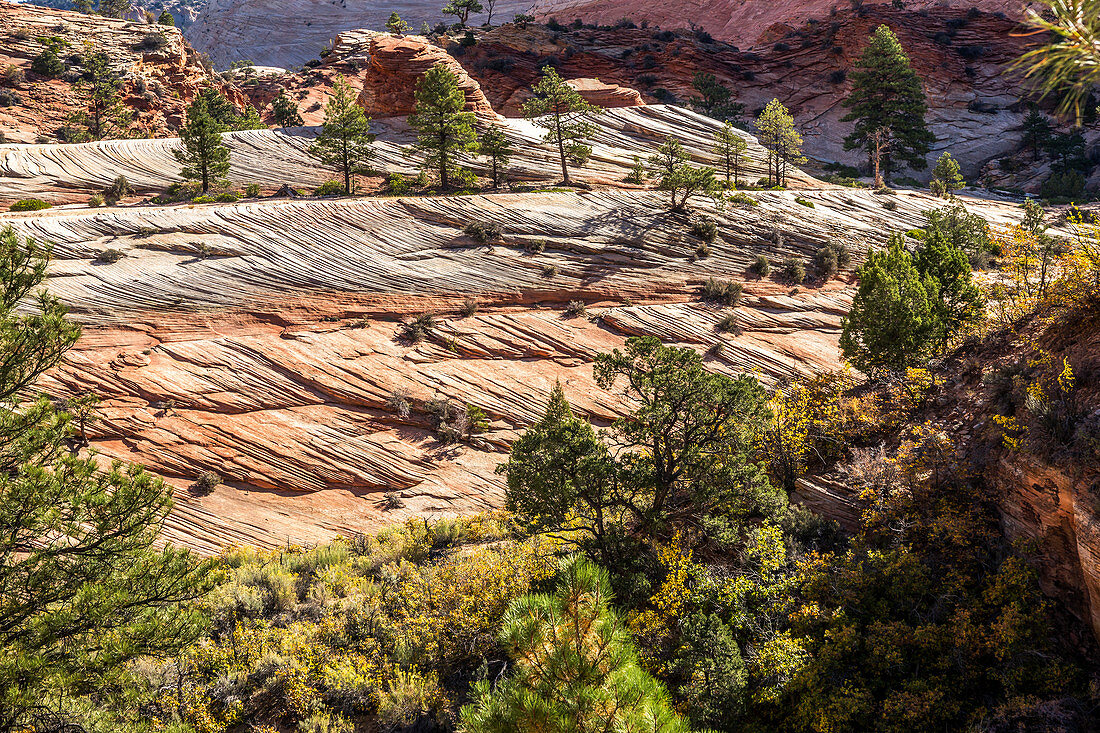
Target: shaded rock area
(293, 31)
(160, 72)
(744, 22)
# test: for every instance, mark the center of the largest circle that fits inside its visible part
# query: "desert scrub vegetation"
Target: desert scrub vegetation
(793, 270)
(484, 232)
(704, 227)
(761, 266)
(725, 292)
(392, 628)
(419, 328)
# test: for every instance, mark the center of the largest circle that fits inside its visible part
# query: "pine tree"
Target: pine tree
(888, 106)
(495, 146)
(575, 667)
(560, 110)
(285, 111)
(1036, 132)
(345, 141)
(166, 18)
(204, 155)
(731, 150)
(84, 591)
(105, 115)
(444, 130)
(395, 25)
(678, 176)
(893, 322)
(783, 143)
(946, 176)
(462, 9)
(714, 98)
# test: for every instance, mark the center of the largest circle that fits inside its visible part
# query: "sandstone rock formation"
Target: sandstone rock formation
(395, 64)
(607, 96)
(294, 31)
(975, 107)
(69, 173)
(160, 77)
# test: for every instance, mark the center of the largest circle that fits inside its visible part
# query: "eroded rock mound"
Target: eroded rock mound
(395, 65)
(160, 72)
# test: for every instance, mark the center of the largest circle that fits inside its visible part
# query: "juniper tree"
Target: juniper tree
(888, 106)
(783, 143)
(683, 454)
(462, 9)
(85, 592)
(495, 146)
(345, 140)
(166, 18)
(714, 98)
(575, 667)
(677, 175)
(957, 302)
(285, 111)
(444, 130)
(559, 109)
(395, 25)
(946, 176)
(893, 322)
(204, 155)
(731, 150)
(105, 115)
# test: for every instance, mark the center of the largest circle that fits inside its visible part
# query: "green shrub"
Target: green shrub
(397, 184)
(206, 482)
(204, 199)
(761, 266)
(110, 256)
(576, 308)
(825, 263)
(118, 189)
(804, 202)
(330, 188)
(702, 251)
(1068, 184)
(469, 308)
(743, 198)
(890, 205)
(252, 190)
(729, 323)
(96, 200)
(228, 197)
(793, 270)
(30, 205)
(534, 246)
(417, 329)
(483, 232)
(704, 227)
(10, 98)
(48, 64)
(550, 271)
(727, 293)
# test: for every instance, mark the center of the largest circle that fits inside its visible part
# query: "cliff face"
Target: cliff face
(742, 22)
(160, 76)
(291, 32)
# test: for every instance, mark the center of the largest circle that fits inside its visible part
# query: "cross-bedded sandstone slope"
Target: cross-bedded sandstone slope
(261, 340)
(65, 173)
